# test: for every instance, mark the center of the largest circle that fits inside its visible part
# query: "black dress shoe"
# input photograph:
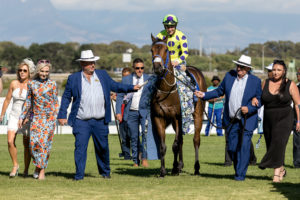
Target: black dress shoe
(227, 164)
(106, 177)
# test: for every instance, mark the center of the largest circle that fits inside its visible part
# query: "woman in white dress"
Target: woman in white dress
(18, 92)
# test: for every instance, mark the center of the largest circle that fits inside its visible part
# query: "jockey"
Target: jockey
(177, 42)
(178, 49)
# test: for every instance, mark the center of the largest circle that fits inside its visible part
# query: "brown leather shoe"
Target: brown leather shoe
(135, 165)
(145, 163)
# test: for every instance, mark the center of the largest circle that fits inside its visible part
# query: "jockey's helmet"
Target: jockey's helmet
(170, 20)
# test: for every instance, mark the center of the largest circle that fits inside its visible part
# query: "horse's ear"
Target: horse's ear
(153, 38)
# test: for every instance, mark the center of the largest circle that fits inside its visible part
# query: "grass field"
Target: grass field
(215, 181)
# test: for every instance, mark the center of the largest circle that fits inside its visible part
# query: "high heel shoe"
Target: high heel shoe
(35, 175)
(13, 175)
(283, 173)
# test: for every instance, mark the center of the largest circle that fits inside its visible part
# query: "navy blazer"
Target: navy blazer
(120, 96)
(73, 93)
(252, 89)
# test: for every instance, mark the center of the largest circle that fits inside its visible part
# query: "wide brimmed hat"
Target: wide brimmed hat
(87, 56)
(244, 61)
(269, 67)
(215, 78)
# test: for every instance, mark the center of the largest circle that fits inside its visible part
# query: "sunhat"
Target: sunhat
(87, 56)
(269, 67)
(244, 61)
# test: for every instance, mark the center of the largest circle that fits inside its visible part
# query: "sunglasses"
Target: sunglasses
(139, 68)
(22, 70)
(240, 66)
(44, 61)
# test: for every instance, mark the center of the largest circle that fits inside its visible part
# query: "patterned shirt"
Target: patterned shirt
(92, 103)
(177, 45)
(236, 95)
(42, 99)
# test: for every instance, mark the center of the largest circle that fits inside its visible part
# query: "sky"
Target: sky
(222, 24)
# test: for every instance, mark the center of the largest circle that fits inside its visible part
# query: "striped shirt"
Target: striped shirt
(92, 103)
(236, 95)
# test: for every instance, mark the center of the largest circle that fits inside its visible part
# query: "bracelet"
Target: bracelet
(298, 121)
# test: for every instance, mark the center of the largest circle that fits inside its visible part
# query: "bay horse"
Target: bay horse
(166, 108)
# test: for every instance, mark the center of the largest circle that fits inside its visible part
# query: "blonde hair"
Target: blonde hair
(41, 66)
(19, 67)
(30, 67)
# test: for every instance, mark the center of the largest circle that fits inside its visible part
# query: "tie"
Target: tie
(129, 96)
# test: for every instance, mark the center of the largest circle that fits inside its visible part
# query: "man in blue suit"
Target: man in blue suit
(239, 87)
(132, 114)
(89, 91)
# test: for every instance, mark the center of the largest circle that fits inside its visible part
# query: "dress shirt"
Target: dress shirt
(92, 103)
(137, 95)
(236, 95)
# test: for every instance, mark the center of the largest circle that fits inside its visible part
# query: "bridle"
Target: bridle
(157, 58)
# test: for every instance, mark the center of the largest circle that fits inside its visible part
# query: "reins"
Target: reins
(191, 87)
(203, 103)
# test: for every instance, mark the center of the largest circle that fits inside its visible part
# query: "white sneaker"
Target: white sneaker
(35, 175)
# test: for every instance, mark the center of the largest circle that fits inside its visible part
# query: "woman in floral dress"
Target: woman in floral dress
(43, 103)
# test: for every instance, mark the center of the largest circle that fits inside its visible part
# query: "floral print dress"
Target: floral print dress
(42, 101)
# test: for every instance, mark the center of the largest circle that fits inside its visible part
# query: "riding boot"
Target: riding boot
(193, 84)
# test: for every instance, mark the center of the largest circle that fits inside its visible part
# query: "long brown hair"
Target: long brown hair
(283, 78)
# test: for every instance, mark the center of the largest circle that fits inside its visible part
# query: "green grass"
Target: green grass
(215, 181)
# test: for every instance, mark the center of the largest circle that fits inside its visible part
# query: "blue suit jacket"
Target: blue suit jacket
(252, 89)
(120, 96)
(73, 90)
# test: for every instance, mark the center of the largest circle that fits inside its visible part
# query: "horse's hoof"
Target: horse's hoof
(175, 172)
(197, 173)
(161, 176)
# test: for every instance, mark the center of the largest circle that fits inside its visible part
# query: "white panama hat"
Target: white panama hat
(269, 67)
(244, 61)
(87, 56)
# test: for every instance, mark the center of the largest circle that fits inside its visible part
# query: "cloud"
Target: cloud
(271, 6)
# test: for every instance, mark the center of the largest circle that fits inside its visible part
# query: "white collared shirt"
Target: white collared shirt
(92, 103)
(137, 95)
(236, 95)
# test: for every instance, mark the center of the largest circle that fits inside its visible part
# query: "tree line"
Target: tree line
(63, 56)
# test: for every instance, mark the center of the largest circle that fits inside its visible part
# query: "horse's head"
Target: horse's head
(160, 55)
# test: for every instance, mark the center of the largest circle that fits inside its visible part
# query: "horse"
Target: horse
(166, 109)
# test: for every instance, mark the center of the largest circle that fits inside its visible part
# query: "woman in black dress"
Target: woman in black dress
(277, 96)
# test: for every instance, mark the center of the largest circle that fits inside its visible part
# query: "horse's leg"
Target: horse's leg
(160, 128)
(180, 142)
(176, 147)
(198, 117)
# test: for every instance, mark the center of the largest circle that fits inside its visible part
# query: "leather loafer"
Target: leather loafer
(106, 177)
